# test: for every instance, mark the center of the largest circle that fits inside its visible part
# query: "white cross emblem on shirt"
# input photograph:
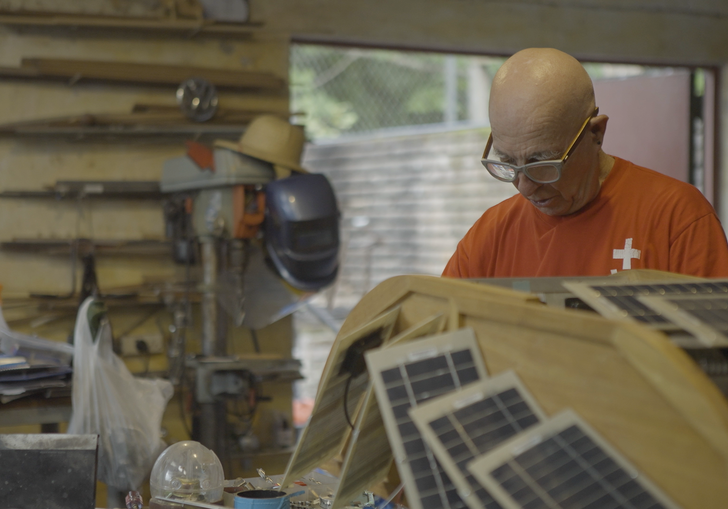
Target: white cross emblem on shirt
(626, 255)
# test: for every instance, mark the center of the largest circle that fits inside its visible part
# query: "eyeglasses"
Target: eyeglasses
(541, 172)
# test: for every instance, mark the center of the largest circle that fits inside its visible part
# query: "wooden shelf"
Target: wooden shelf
(94, 71)
(133, 189)
(24, 308)
(84, 246)
(143, 120)
(113, 132)
(151, 26)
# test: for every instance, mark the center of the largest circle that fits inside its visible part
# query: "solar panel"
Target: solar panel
(564, 463)
(703, 316)
(406, 376)
(464, 425)
(623, 301)
(368, 457)
(328, 427)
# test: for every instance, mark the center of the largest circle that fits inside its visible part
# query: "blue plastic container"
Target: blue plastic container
(263, 499)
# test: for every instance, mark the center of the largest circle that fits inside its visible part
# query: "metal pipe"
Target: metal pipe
(209, 299)
(212, 415)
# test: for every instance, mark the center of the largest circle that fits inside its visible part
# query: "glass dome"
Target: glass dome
(188, 471)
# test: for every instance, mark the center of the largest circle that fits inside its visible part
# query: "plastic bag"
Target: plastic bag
(126, 412)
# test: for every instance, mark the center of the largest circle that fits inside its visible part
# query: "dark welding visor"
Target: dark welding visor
(302, 230)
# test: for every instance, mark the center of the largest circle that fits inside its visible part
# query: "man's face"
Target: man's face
(579, 182)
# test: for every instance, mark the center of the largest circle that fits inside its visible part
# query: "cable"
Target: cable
(181, 403)
(391, 497)
(143, 348)
(138, 323)
(346, 400)
(256, 345)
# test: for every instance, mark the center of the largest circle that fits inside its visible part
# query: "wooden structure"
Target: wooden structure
(644, 395)
(326, 431)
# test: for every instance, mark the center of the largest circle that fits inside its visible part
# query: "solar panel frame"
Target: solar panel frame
(466, 431)
(597, 462)
(327, 428)
(368, 456)
(706, 329)
(407, 372)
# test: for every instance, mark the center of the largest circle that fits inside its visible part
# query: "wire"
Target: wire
(181, 403)
(391, 497)
(256, 345)
(143, 348)
(346, 400)
(138, 323)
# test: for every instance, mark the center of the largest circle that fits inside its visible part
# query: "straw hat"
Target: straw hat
(271, 139)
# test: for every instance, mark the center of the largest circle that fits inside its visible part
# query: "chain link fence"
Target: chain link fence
(341, 91)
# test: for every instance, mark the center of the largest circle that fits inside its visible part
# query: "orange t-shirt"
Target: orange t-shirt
(640, 219)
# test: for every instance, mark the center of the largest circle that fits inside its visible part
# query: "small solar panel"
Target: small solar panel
(473, 421)
(623, 301)
(326, 430)
(368, 456)
(406, 376)
(703, 316)
(564, 463)
(619, 300)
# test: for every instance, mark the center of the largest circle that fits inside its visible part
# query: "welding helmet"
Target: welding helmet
(302, 230)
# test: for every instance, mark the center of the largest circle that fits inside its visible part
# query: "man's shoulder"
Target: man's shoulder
(635, 171)
(653, 192)
(649, 181)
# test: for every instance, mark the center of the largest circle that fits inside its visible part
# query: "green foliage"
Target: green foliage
(325, 117)
(345, 90)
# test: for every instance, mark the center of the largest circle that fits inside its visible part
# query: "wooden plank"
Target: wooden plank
(141, 73)
(327, 428)
(122, 132)
(222, 114)
(161, 119)
(396, 289)
(151, 73)
(147, 247)
(180, 27)
(368, 457)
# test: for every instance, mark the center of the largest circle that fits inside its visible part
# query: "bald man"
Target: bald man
(579, 211)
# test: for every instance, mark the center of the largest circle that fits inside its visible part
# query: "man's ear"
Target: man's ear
(598, 127)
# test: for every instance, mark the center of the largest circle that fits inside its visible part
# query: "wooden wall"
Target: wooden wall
(31, 162)
(35, 162)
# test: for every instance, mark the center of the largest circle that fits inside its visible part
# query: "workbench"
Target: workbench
(36, 409)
